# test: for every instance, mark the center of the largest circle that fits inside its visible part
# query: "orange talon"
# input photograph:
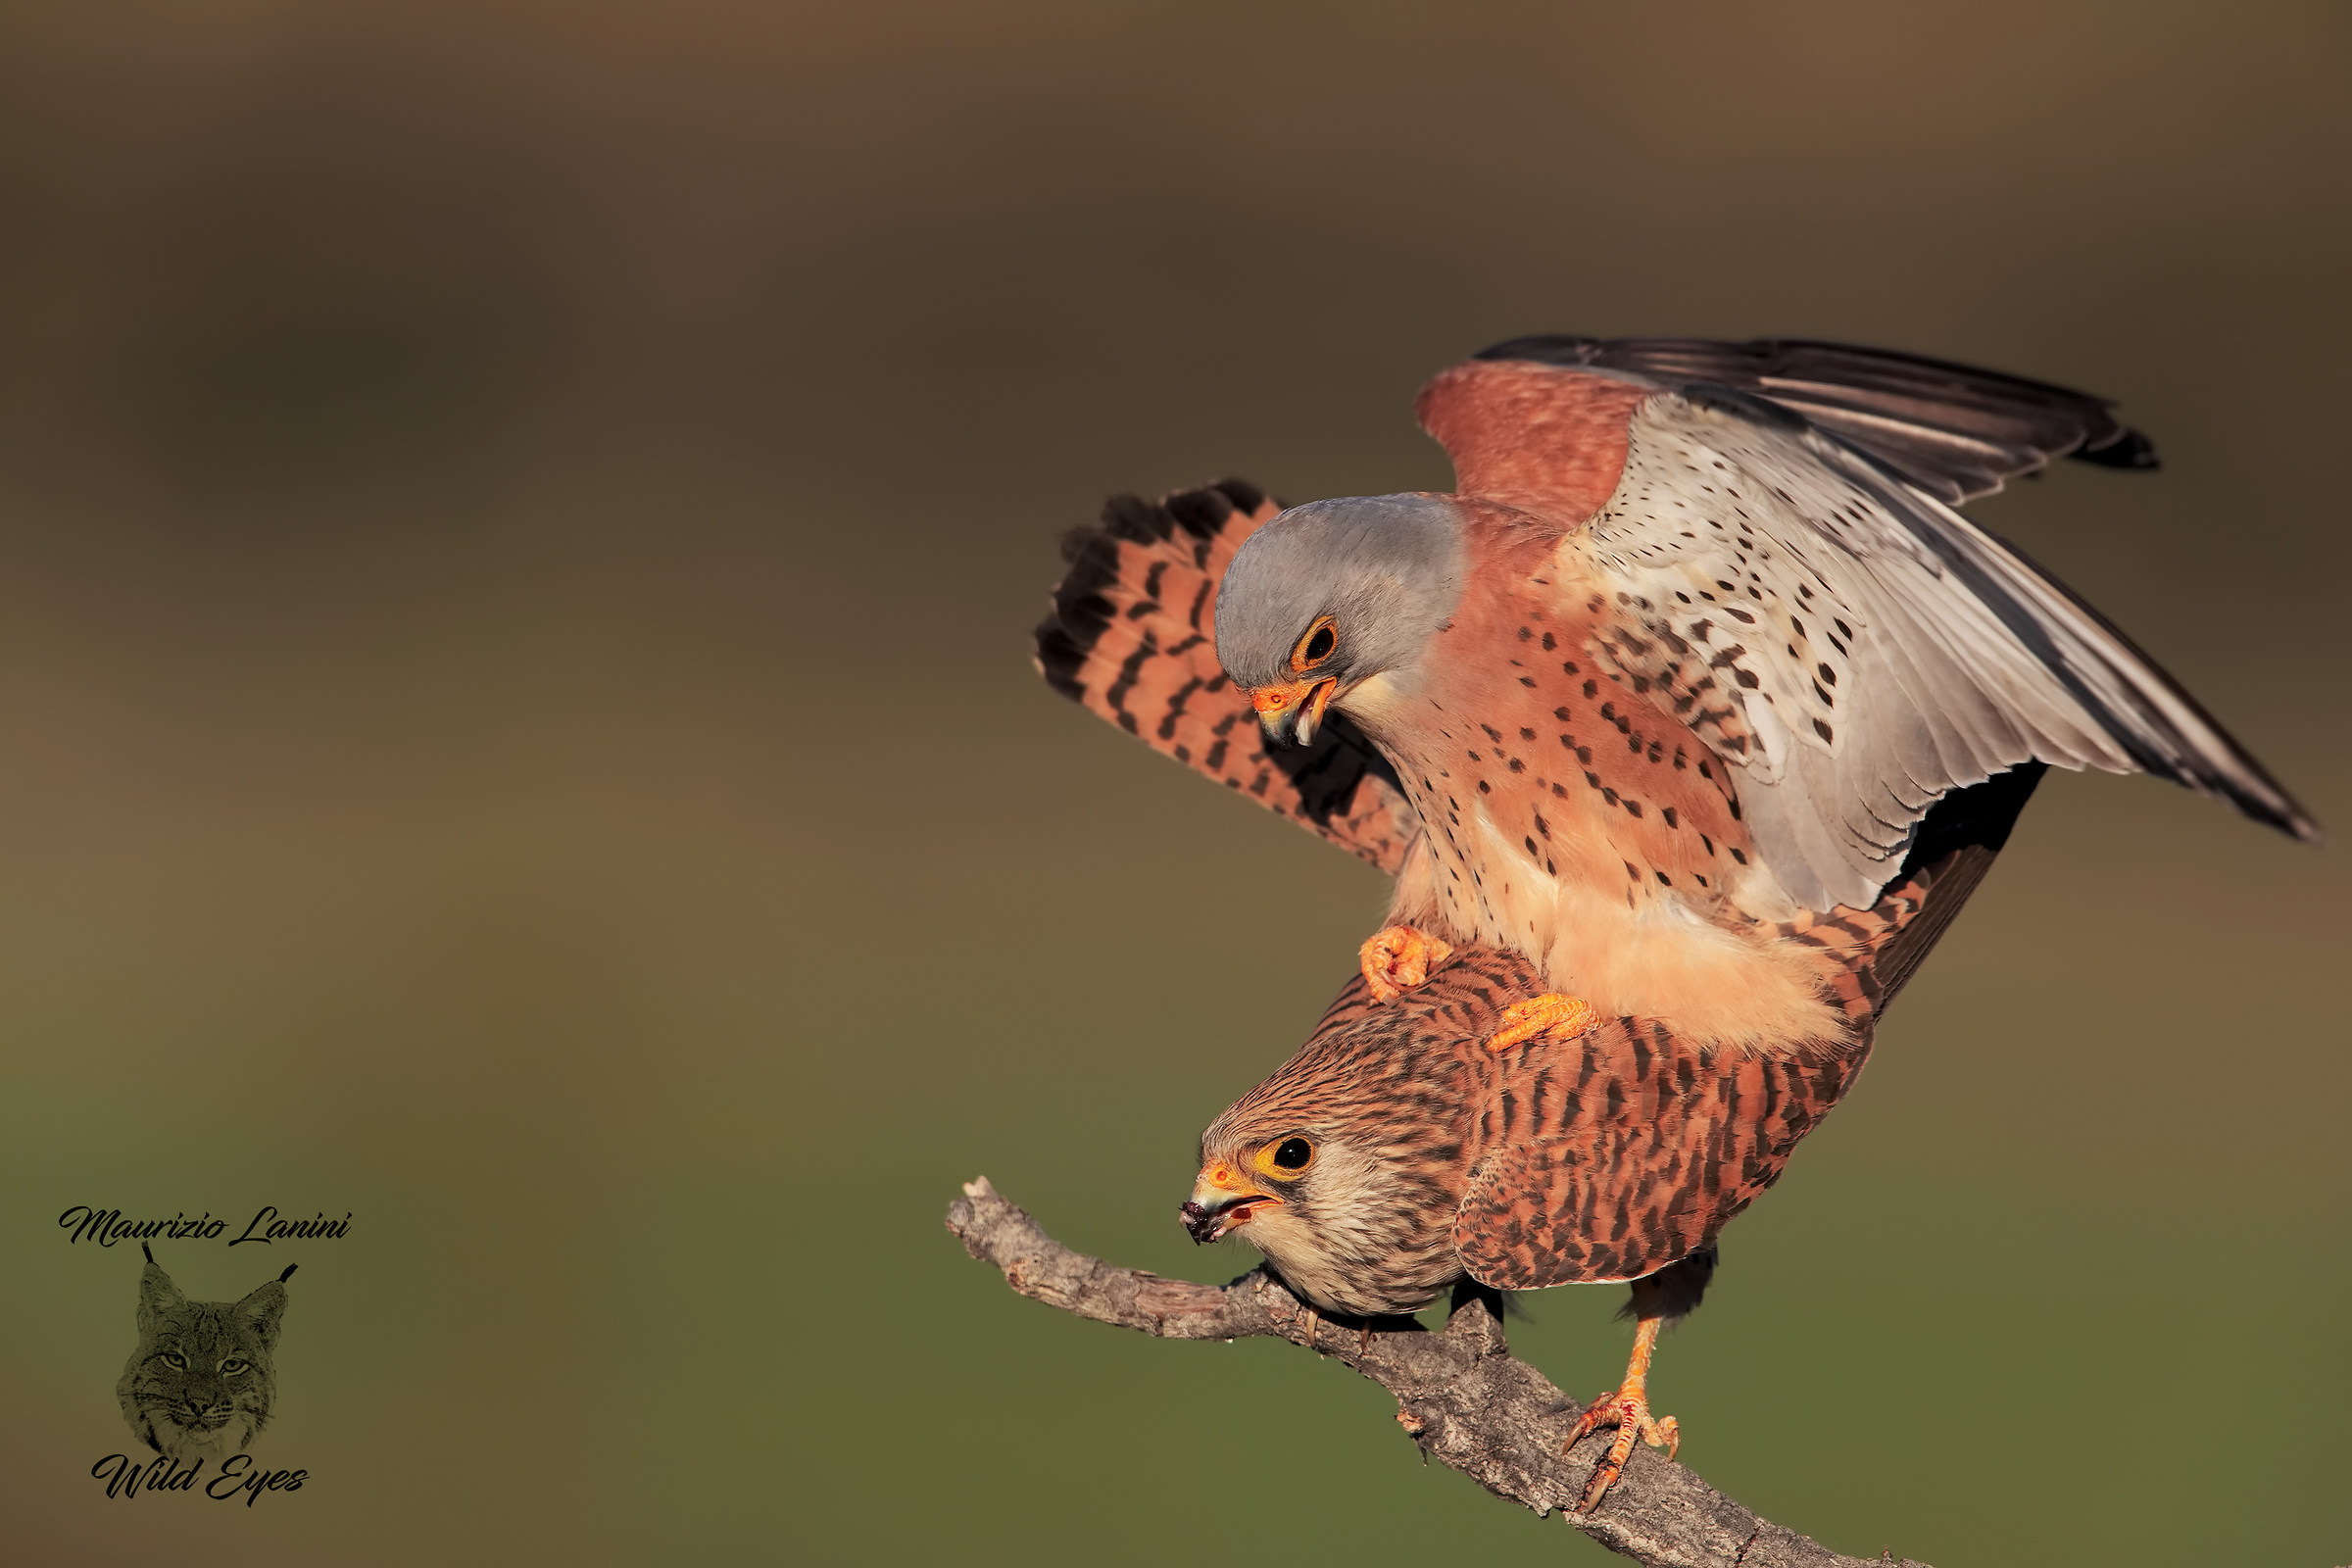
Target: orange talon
(1400, 959)
(1548, 1014)
(1627, 1408)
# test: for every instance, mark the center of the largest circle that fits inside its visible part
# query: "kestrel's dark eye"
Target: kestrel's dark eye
(1315, 647)
(1294, 1153)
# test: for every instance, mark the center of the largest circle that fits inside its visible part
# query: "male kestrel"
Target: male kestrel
(1695, 648)
(1394, 1153)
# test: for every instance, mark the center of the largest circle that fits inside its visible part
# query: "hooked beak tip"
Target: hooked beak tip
(1290, 716)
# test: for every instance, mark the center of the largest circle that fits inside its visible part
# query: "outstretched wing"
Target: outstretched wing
(1133, 638)
(1952, 430)
(1880, 649)
(1815, 611)
(1611, 1156)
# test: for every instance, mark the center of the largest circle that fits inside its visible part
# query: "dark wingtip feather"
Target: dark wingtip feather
(2131, 449)
(1132, 517)
(1200, 513)
(1543, 348)
(1245, 496)
(1953, 429)
(1092, 555)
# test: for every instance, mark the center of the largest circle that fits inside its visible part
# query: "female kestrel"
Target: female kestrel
(1695, 646)
(1394, 1154)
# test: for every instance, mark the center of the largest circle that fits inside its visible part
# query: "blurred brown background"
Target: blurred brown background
(519, 526)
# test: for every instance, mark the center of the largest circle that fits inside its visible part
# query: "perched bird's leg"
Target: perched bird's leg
(1398, 959)
(1627, 1408)
(1550, 1013)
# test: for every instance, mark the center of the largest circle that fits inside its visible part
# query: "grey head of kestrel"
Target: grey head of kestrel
(1388, 569)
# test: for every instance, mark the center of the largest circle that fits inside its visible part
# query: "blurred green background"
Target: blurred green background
(518, 528)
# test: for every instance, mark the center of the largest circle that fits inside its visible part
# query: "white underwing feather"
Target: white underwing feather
(1880, 649)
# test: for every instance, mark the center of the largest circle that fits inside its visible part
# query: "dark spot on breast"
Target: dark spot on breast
(1525, 734)
(1525, 634)
(1527, 680)
(1591, 688)
(1517, 766)
(1823, 730)
(1667, 812)
(1829, 677)
(1482, 788)
(1568, 668)
(1548, 643)
(1737, 856)
(1633, 807)
(1664, 880)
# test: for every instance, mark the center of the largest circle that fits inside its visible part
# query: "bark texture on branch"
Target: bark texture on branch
(1460, 1394)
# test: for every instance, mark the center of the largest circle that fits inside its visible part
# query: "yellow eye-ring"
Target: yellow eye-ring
(1286, 1158)
(1316, 646)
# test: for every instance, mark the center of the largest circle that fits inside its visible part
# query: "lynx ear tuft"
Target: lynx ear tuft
(289, 1273)
(149, 1250)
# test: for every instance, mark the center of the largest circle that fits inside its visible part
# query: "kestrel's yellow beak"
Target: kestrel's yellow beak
(1291, 712)
(1222, 1201)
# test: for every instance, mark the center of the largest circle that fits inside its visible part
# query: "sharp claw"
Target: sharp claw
(1630, 1414)
(1398, 959)
(1548, 1014)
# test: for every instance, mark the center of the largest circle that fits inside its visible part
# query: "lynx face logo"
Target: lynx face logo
(201, 1384)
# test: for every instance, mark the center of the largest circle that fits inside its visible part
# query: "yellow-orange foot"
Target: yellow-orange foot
(1628, 1410)
(1550, 1013)
(1398, 959)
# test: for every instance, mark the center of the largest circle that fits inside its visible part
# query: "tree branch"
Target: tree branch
(1461, 1397)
